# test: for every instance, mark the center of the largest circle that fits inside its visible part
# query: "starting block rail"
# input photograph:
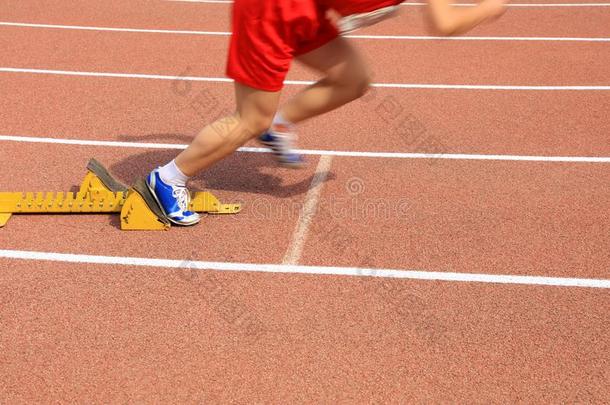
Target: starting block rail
(101, 193)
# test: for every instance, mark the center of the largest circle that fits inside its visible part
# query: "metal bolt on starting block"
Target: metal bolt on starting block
(101, 193)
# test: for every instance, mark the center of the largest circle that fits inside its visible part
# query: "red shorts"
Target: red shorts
(268, 34)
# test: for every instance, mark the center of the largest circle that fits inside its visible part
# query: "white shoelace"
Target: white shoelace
(182, 195)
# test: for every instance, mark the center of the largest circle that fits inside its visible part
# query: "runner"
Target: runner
(267, 36)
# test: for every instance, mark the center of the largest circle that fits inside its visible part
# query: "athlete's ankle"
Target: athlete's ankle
(172, 175)
(280, 121)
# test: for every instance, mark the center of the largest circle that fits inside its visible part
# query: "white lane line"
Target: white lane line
(316, 152)
(298, 269)
(112, 29)
(373, 37)
(436, 38)
(120, 75)
(86, 142)
(419, 4)
(310, 207)
(304, 82)
(518, 4)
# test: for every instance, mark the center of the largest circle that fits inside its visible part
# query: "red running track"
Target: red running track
(109, 333)
(436, 62)
(552, 21)
(103, 334)
(487, 122)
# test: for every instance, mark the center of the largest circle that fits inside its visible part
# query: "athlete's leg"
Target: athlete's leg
(346, 78)
(254, 113)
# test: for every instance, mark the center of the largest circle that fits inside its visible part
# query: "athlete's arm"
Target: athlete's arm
(451, 20)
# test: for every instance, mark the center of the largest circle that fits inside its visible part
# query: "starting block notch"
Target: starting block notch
(101, 193)
(141, 212)
(4, 219)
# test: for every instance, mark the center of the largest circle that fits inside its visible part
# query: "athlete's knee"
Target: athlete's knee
(256, 124)
(362, 84)
(255, 109)
(358, 82)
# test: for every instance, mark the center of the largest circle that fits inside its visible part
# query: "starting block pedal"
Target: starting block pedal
(100, 192)
(99, 179)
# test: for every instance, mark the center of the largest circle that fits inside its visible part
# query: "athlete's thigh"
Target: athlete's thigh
(338, 59)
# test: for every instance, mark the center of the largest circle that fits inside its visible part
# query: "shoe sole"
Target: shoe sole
(165, 213)
(291, 165)
(287, 165)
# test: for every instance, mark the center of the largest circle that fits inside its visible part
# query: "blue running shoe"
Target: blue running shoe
(279, 139)
(173, 200)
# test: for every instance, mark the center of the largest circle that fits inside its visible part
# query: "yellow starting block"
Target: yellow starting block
(101, 193)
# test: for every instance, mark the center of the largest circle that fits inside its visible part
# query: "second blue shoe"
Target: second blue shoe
(280, 139)
(173, 200)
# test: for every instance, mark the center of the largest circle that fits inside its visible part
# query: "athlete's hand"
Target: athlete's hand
(493, 8)
(451, 20)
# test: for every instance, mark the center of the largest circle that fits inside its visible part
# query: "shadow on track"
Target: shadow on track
(240, 172)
